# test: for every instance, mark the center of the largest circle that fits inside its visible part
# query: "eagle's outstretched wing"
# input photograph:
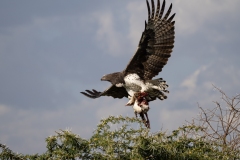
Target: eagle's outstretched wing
(155, 45)
(115, 92)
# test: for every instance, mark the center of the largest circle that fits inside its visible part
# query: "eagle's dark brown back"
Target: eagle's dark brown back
(154, 49)
(155, 45)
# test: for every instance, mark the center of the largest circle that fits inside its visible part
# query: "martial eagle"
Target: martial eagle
(135, 81)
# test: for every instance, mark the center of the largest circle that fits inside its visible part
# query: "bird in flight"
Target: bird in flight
(136, 81)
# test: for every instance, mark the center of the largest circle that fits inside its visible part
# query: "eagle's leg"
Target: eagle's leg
(131, 101)
(143, 103)
(136, 114)
(143, 118)
(147, 122)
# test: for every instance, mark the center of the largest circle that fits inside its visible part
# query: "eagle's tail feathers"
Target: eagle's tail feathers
(159, 84)
(162, 96)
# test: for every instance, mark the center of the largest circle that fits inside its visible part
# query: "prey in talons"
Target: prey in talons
(141, 106)
(135, 81)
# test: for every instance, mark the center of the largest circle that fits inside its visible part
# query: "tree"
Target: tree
(212, 135)
(221, 124)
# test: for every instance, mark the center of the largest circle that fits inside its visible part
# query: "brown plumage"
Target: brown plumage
(154, 49)
(155, 45)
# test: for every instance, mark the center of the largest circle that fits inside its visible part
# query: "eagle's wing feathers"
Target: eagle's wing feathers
(92, 94)
(115, 92)
(155, 45)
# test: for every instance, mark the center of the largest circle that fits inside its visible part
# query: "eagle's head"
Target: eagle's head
(114, 78)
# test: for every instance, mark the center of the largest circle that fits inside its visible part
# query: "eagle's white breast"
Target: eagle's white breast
(133, 83)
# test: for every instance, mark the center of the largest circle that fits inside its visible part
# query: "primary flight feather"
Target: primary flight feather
(135, 81)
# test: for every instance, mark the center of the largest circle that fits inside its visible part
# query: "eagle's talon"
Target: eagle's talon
(131, 101)
(147, 123)
(129, 104)
(135, 81)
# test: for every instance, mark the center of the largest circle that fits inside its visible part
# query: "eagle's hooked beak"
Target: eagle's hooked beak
(104, 78)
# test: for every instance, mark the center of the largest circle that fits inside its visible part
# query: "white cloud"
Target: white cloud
(192, 15)
(29, 127)
(137, 14)
(107, 35)
(4, 109)
(190, 86)
(190, 82)
(198, 88)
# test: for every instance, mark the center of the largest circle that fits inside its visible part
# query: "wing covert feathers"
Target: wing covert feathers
(156, 43)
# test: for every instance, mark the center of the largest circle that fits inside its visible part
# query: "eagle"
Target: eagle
(136, 81)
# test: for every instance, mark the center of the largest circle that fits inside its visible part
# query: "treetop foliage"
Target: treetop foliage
(213, 135)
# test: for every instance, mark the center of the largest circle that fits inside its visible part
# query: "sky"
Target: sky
(52, 50)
